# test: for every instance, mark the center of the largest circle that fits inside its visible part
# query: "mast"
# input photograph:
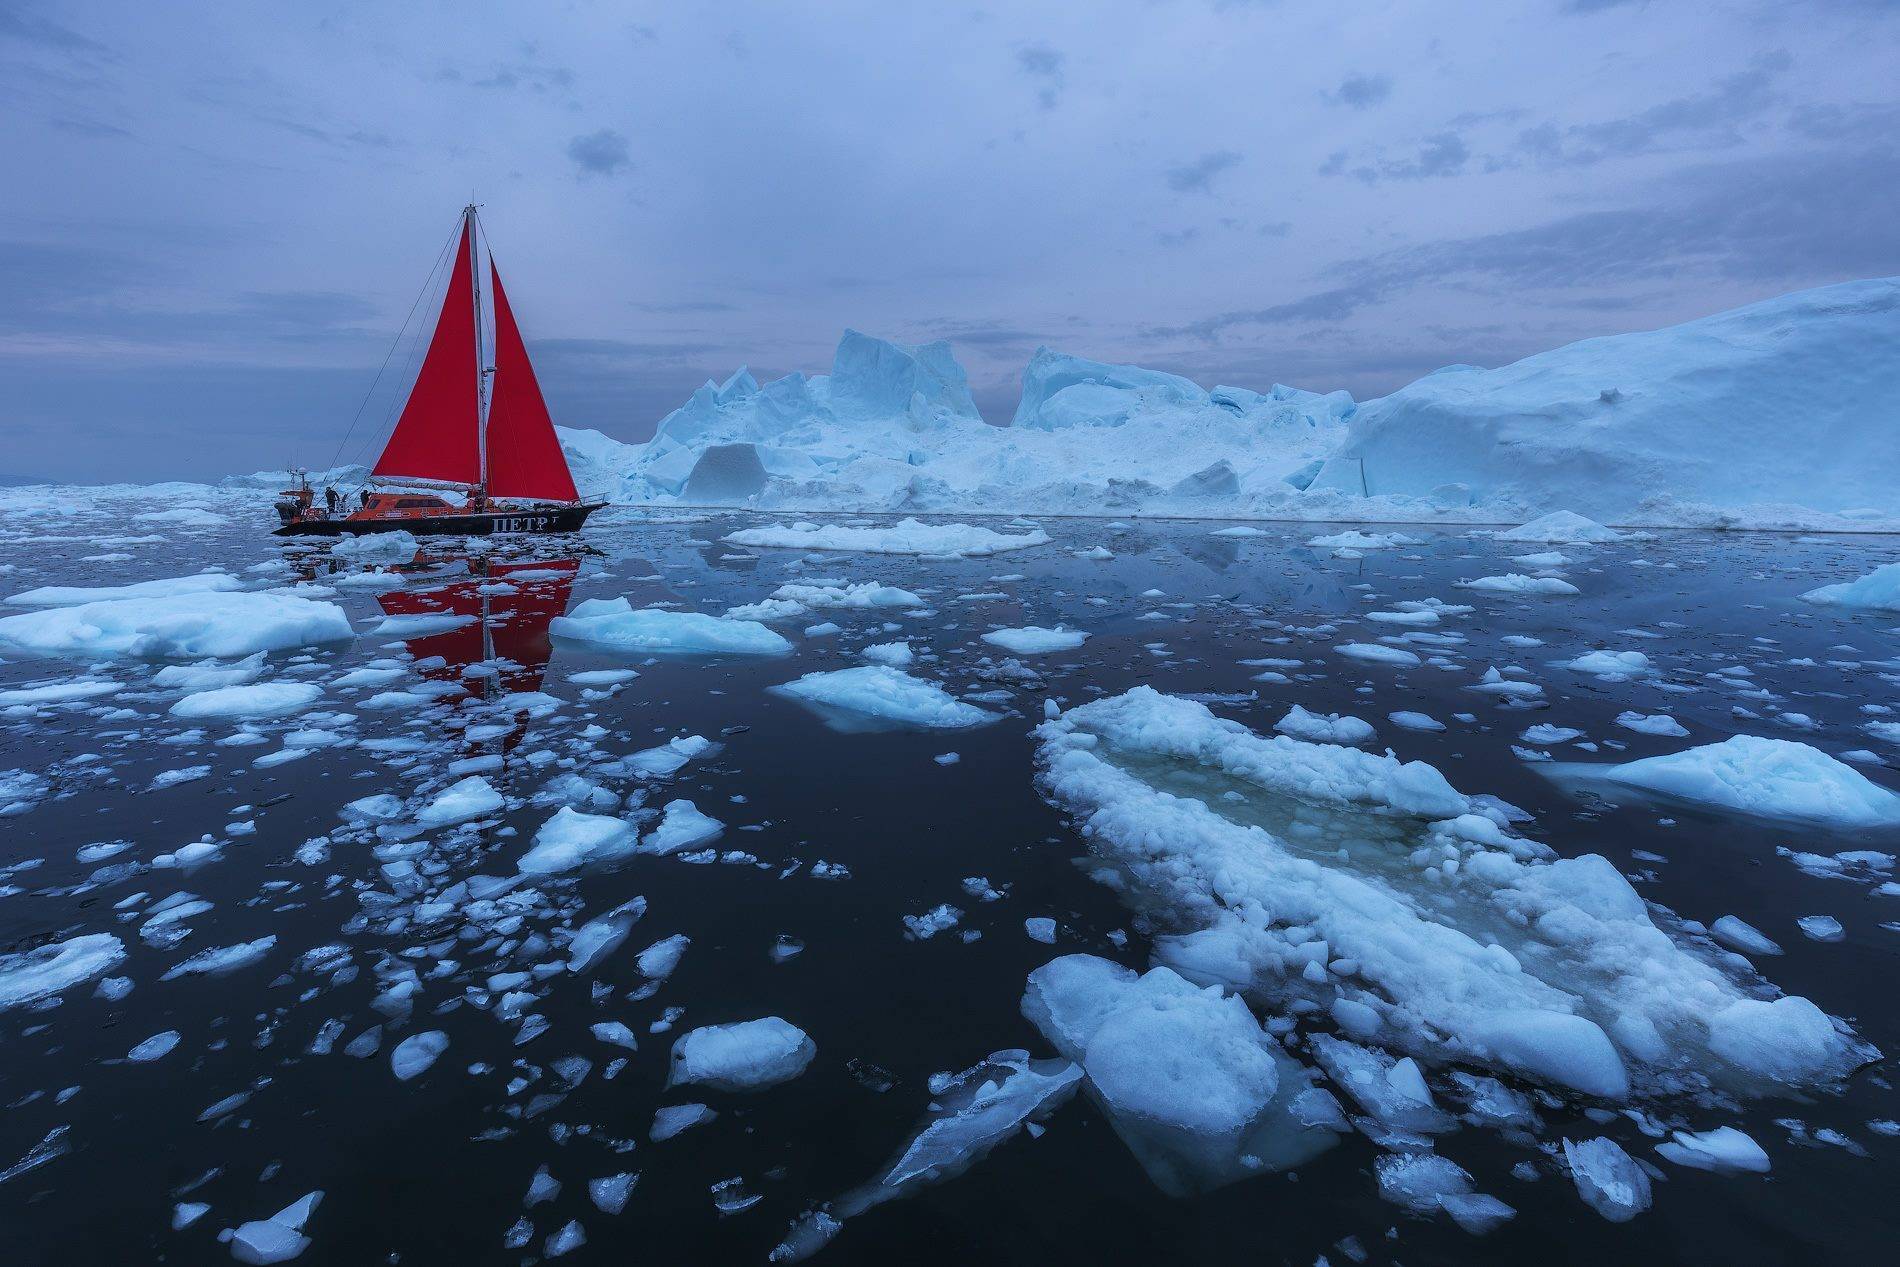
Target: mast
(481, 371)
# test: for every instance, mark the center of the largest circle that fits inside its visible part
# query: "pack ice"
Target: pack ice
(1316, 877)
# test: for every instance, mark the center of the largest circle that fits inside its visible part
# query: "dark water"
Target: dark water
(434, 1171)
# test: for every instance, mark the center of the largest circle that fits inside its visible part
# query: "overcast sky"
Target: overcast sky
(215, 217)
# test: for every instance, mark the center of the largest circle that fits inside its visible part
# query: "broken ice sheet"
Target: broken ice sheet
(969, 1116)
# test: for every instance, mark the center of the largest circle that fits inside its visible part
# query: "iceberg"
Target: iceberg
(1684, 424)
(213, 624)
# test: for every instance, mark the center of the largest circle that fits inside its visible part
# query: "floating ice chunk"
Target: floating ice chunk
(883, 693)
(157, 1047)
(1723, 1148)
(744, 1056)
(1607, 1178)
(1418, 1180)
(1820, 927)
(601, 936)
(59, 692)
(380, 547)
(1518, 583)
(1407, 720)
(259, 699)
(1392, 1091)
(937, 919)
(1353, 539)
(1610, 664)
(1035, 640)
(657, 961)
(422, 624)
(1198, 1091)
(1542, 733)
(1323, 728)
(472, 797)
(182, 626)
(1879, 590)
(682, 826)
(571, 840)
(414, 1054)
(278, 1239)
(1041, 928)
(221, 960)
(614, 624)
(795, 599)
(1773, 778)
(1785, 1040)
(74, 595)
(1560, 527)
(1738, 934)
(969, 1115)
(30, 975)
(1652, 724)
(609, 1193)
(895, 654)
(669, 1120)
(1377, 653)
(669, 757)
(1553, 1048)
(908, 536)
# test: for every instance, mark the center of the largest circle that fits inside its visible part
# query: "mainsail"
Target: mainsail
(524, 454)
(437, 437)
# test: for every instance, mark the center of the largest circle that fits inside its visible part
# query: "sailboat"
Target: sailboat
(491, 441)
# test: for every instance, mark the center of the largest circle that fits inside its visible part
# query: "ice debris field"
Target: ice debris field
(734, 886)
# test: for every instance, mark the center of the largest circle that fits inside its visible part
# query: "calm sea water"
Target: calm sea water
(434, 1171)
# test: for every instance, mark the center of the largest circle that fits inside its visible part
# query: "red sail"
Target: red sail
(437, 436)
(524, 454)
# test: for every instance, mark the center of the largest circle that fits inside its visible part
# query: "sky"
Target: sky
(217, 217)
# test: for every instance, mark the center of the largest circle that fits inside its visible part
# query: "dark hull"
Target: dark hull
(535, 519)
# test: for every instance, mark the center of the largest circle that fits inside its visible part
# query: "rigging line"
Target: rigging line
(394, 344)
(417, 347)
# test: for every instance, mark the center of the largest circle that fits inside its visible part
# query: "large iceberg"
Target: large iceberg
(1736, 417)
(1774, 415)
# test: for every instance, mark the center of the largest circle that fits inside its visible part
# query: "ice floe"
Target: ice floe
(908, 536)
(1774, 778)
(882, 693)
(743, 1056)
(182, 626)
(614, 624)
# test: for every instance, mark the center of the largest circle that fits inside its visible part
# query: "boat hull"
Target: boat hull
(483, 523)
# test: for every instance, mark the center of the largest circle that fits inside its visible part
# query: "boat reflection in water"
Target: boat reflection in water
(498, 646)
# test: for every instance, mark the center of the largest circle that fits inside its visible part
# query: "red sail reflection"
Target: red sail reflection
(509, 607)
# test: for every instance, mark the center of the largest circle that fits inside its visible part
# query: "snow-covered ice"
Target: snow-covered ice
(1776, 778)
(614, 624)
(180, 626)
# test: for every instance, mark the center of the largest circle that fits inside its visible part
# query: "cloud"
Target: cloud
(1706, 120)
(1043, 63)
(1441, 154)
(1758, 221)
(1361, 92)
(28, 29)
(601, 153)
(1198, 176)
